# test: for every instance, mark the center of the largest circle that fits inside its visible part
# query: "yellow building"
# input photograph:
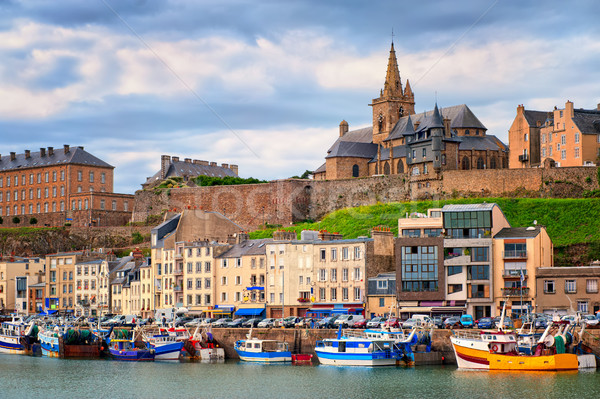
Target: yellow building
(381, 295)
(518, 253)
(10, 271)
(87, 276)
(60, 280)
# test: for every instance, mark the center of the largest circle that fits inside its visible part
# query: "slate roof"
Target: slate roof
(76, 155)
(587, 121)
(519, 232)
(321, 168)
(352, 149)
(190, 169)
(532, 117)
(399, 152)
(476, 143)
(460, 116)
(249, 247)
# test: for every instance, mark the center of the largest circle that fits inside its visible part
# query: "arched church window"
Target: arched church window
(443, 159)
(480, 164)
(386, 168)
(400, 167)
(355, 170)
(400, 111)
(380, 122)
(465, 165)
(493, 163)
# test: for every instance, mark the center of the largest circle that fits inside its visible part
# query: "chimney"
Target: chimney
(213, 164)
(188, 160)
(175, 159)
(569, 110)
(343, 128)
(241, 237)
(224, 165)
(203, 163)
(446, 127)
(50, 151)
(42, 152)
(234, 168)
(165, 162)
(66, 148)
(13, 156)
(27, 154)
(520, 109)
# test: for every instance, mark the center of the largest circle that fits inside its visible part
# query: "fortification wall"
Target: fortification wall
(284, 202)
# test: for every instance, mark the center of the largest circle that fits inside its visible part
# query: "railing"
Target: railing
(523, 158)
(514, 273)
(178, 271)
(178, 288)
(514, 254)
(515, 291)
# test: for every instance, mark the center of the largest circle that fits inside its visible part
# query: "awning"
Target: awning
(415, 309)
(255, 288)
(249, 312)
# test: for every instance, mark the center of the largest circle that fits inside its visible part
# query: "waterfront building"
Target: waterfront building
(56, 187)
(468, 251)
(36, 296)
(240, 278)
(564, 136)
(106, 275)
(567, 290)
(87, 287)
(518, 253)
(15, 275)
(381, 295)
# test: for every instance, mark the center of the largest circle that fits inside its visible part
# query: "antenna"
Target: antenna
(392, 35)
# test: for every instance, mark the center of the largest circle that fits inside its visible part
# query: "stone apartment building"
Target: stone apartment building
(15, 275)
(55, 187)
(402, 142)
(566, 290)
(518, 253)
(565, 136)
(381, 295)
(106, 276)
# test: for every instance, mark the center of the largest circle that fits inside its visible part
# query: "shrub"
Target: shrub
(16, 220)
(33, 221)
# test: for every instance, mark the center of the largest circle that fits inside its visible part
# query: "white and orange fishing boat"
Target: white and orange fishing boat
(498, 350)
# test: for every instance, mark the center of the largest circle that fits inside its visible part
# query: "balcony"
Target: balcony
(178, 271)
(523, 158)
(457, 260)
(515, 254)
(514, 273)
(515, 291)
(178, 288)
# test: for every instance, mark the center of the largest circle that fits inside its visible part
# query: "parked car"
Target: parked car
(590, 320)
(265, 323)
(438, 322)
(452, 322)
(541, 322)
(416, 321)
(180, 321)
(466, 321)
(348, 320)
(360, 323)
(376, 322)
(290, 321)
(251, 322)
(236, 323)
(222, 322)
(327, 322)
(207, 322)
(393, 322)
(485, 322)
(194, 323)
(304, 322)
(569, 317)
(507, 322)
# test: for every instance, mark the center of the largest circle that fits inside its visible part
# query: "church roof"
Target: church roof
(399, 152)
(352, 149)
(321, 168)
(461, 117)
(478, 143)
(364, 135)
(432, 121)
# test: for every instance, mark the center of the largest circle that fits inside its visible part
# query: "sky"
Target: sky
(265, 84)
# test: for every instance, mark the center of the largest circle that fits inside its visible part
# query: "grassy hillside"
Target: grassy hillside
(568, 221)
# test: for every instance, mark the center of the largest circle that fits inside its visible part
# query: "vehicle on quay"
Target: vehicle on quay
(262, 350)
(360, 323)
(236, 323)
(348, 320)
(376, 322)
(485, 322)
(290, 321)
(507, 322)
(266, 323)
(393, 322)
(438, 322)
(207, 322)
(251, 322)
(589, 320)
(452, 322)
(327, 322)
(221, 322)
(466, 321)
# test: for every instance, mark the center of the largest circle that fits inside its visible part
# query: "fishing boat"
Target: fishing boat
(498, 350)
(49, 341)
(126, 349)
(201, 345)
(262, 350)
(67, 342)
(12, 335)
(356, 348)
(165, 346)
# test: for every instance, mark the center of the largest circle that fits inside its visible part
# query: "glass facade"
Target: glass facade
(419, 268)
(476, 224)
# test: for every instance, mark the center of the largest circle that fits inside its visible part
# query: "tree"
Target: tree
(304, 175)
(16, 220)
(33, 221)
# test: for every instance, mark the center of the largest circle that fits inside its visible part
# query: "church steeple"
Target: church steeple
(393, 103)
(392, 86)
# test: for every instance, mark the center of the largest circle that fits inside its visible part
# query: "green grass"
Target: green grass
(568, 221)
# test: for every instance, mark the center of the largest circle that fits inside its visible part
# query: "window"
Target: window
(103, 177)
(381, 302)
(543, 151)
(333, 275)
(563, 139)
(355, 171)
(411, 232)
(570, 287)
(345, 274)
(577, 137)
(334, 254)
(480, 254)
(207, 267)
(79, 175)
(563, 154)
(356, 252)
(452, 270)
(452, 288)
(424, 152)
(206, 283)
(126, 206)
(525, 137)
(344, 294)
(357, 274)
(576, 152)
(345, 253)
(53, 176)
(102, 206)
(322, 275)
(334, 294)
(582, 307)
(382, 284)
(224, 280)
(322, 255)
(481, 272)
(238, 280)
(591, 286)
(91, 177)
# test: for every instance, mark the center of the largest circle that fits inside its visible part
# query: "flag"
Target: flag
(522, 278)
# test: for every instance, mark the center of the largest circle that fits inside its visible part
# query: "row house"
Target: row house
(87, 275)
(37, 293)
(381, 295)
(15, 275)
(566, 290)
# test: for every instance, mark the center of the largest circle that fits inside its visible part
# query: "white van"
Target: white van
(348, 320)
(417, 320)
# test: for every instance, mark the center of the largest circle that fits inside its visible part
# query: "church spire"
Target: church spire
(393, 85)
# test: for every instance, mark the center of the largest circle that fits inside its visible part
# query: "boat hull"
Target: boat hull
(132, 355)
(470, 355)
(11, 345)
(170, 351)
(265, 357)
(49, 344)
(355, 359)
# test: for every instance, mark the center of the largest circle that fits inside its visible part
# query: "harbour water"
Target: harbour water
(27, 377)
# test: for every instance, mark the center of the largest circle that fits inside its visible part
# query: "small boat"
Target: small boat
(67, 342)
(262, 350)
(498, 350)
(357, 349)
(201, 345)
(125, 349)
(49, 342)
(13, 334)
(165, 346)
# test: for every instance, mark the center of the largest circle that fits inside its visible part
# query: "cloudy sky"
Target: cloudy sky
(265, 84)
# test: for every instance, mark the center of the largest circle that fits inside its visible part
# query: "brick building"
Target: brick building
(60, 186)
(566, 136)
(401, 141)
